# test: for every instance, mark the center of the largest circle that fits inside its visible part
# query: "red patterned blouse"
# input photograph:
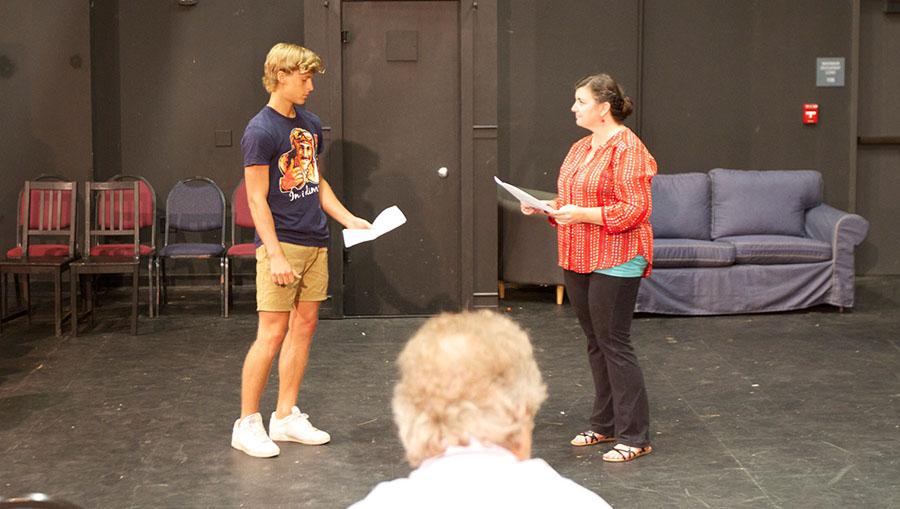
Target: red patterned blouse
(617, 179)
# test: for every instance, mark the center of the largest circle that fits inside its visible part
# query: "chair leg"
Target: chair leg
(158, 285)
(28, 297)
(222, 293)
(227, 286)
(150, 287)
(89, 301)
(2, 299)
(73, 301)
(82, 287)
(57, 303)
(560, 294)
(19, 290)
(165, 286)
(501, 289)
(135, 280)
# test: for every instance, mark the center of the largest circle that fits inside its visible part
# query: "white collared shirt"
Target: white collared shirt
(477, 476)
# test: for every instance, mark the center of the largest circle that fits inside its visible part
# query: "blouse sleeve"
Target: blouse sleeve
(633, 173)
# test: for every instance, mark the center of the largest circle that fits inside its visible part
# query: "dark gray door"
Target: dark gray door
(401, 127)
(878, 162)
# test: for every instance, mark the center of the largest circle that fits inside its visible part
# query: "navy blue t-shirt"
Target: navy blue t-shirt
(290, 148)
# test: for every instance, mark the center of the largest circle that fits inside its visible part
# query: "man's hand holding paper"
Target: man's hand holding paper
(389, 219)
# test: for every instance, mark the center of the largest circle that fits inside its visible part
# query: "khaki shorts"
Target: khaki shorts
(312, 285)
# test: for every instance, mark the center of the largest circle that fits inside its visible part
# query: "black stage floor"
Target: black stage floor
(794, 409)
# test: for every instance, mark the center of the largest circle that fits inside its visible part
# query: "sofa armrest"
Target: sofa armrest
(843, 231)
(834, 226)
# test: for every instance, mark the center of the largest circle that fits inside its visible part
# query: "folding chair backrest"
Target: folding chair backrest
(50, 209)
(240, 210)
(109, 212)
(196, 204)
(147, 215)
(20, 204)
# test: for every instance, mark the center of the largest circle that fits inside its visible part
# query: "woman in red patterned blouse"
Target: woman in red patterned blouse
(602, 214)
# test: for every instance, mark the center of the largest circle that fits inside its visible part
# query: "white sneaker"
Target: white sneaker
(296, 428)
(250, 436)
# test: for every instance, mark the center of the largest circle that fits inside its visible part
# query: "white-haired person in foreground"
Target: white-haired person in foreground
(465, 403)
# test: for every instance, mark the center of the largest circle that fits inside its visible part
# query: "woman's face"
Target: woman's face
(588, 112)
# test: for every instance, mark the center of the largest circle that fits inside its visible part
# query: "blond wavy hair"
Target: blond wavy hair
(462, 376)
(289, 58)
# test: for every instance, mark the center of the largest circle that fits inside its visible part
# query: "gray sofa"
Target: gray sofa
(528, 252)
(725, 242)
(734, 241)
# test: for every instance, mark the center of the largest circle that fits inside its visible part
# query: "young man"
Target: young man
(288, 201)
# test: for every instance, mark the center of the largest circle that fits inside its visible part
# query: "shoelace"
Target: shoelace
(305, 417)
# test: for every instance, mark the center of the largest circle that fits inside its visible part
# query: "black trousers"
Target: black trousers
(604, 306)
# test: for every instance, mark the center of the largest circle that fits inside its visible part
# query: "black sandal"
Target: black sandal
(590, 437)
(626, 453)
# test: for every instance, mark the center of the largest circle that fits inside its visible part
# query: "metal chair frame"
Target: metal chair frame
(229, 294)
(50, 223)
(105, 220)
(151, 299)
(21, 287)
(161, 287)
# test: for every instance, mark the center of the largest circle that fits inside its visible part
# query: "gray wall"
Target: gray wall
(167, 77)
(543, 50)
(183, 73)
(45, 101)
(725, 82)
(717, 84)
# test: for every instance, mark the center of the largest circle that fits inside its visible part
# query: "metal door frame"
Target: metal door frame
(478, 142)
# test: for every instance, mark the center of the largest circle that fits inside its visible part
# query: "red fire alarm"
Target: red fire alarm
(810, 113)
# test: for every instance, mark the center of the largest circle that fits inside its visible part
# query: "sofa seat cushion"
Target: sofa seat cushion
(777, 249)
(692, 253)
(762, 202)
(681, 206)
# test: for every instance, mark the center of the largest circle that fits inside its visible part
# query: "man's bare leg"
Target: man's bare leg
(294, 354)
(270, 336)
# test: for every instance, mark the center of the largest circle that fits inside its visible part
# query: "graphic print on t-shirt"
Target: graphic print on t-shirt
(298, 166)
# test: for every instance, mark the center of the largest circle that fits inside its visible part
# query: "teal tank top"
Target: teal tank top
(632, 268)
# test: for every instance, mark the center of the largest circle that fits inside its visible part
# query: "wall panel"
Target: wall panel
(542, 51)
(45, 97)
(725, 82)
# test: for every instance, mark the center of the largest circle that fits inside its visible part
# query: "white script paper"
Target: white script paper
(524, 197)
(389, 219)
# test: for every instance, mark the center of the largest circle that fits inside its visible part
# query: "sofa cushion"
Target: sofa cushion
(681, 206)
(691, 253)
(762, 202)
(777, 249)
